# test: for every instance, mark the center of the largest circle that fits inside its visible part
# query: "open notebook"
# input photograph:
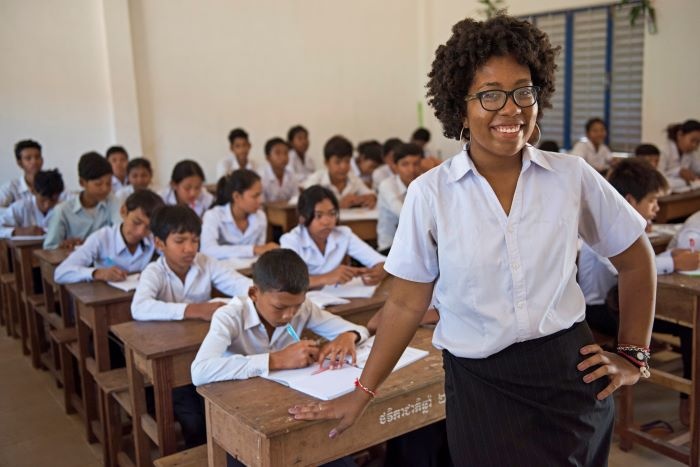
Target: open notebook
(128, 284)
(328, 384)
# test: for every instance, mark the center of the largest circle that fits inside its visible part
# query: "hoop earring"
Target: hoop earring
(539, 136)
(462, 136)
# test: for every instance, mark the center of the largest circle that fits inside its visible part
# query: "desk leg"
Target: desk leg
(137, 393)
(35, 325)
(86, 382)
(695, 393)
(163, 393)
(215, 453)
(625, 417)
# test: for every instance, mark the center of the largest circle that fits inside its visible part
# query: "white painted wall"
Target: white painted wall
(170, 78)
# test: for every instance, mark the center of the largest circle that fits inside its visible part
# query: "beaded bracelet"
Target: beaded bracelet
(637, 355)
(358, 384)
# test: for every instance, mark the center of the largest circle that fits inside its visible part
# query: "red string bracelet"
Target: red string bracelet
(358, 384)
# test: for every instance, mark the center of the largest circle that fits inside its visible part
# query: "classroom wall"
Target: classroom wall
(169, 78)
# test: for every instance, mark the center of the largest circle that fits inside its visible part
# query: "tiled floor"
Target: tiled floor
(35, 431)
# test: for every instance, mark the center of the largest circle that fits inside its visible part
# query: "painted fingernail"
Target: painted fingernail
(333, 434)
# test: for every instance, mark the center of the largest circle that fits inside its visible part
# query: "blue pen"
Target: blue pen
(109, 262)
(293, 333)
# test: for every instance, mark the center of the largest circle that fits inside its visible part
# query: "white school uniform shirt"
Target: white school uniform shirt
(689, 230)
(230, 164)
(366, 179)
(392, 193)
(237, 344)
(161, 295)
(353, 186)
(23, 213)
(201, 204)
(380, 174)
(14, 190)
(505, 279)
(671, 161)
(599, 159)
(301, 169)
(273, 190)
(118, 184)
(103, 249)
(342, 241)
(597, 275)
(222, 239)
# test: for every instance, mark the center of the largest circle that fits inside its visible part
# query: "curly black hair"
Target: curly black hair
(472, 44)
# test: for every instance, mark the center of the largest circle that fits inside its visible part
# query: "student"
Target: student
(239, 145)
(677, 160)
(649, 153)
(337, 176)
(301, 164)
(119, 160)
(369, 158)
(278, 180)
(248, 337)
(387, 169)
(94, 208)
(492, 234)
(186, 187)
(592, 148)
(29, 160)
(236, 227)
(421, 138)
(139, 175)
(30, 215)
(113, 252)
(323, 244)
(178, 284)
(392, 192)
(641, 185)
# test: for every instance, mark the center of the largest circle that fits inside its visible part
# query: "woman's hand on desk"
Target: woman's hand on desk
(347, 409)
(619, 371)
(685, 260)
(338, 349)
(298, 355)
(111, 274)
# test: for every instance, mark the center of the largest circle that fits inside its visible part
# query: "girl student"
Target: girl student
(525, 383)
(678, 161)
(186, 187)
(236, 227)
(593, 148)
(323, 244)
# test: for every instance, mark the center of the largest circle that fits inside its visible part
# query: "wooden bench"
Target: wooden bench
(63, 341)
(194, 457)
(9, 303)
(113, 387)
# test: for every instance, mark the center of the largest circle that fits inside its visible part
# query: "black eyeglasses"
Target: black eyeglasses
(496, 99)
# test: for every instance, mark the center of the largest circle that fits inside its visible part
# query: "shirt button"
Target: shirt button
(516, 266)
(510, 229)
(520, 304)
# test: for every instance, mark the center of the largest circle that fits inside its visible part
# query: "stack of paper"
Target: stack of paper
(323, 300)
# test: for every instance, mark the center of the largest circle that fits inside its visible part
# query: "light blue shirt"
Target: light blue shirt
(201, 204)
(103, 249)
(341, 241)
(222, 239)
(71, 220)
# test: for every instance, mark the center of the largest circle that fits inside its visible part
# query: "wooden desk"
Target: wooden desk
(677, 300)
(9, 301)
(660, 242)
(249, 418)
(677, 206)
(162, 353)
(98, 306)
(363, 222)
(282, 214)
(23, 262)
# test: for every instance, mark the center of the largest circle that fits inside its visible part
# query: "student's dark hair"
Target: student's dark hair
(116, 150)
(175, 219)
(25, 144)
(407, 149)
(309, 198)
(646, 150)
(549, 145)
(294, 130)
(145, 200)
(139, 162)
(636, 177)
(281, 270)
(338, 146)
(92, 166)
(390, 145)
(685, 128)
(48, 183)
(186, 168)
(593, 121)
(421, 134)
(237, 181)
(472, 44)
(237, 133)
(371, 150)
(272, 142)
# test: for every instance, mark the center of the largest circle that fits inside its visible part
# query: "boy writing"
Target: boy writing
(30, 215)
(178, 285)
(346, 186)
(93, 208)
(113, 252)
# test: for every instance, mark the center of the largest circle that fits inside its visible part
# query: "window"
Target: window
(599, 74)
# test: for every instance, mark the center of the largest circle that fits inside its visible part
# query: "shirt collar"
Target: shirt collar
(249, 314)
(23, 187)
(120, 242)
(77, 205)
(462, 163)
(194, 266)
(308, 242)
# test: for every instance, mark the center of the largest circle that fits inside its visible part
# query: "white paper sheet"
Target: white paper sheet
(359, 214)
(323, 300)
(352, 289)
(128, 284)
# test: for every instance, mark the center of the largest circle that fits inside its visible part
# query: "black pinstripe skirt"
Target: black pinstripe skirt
(527, 405)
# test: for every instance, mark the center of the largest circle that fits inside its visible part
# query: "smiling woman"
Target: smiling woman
(491, 236)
